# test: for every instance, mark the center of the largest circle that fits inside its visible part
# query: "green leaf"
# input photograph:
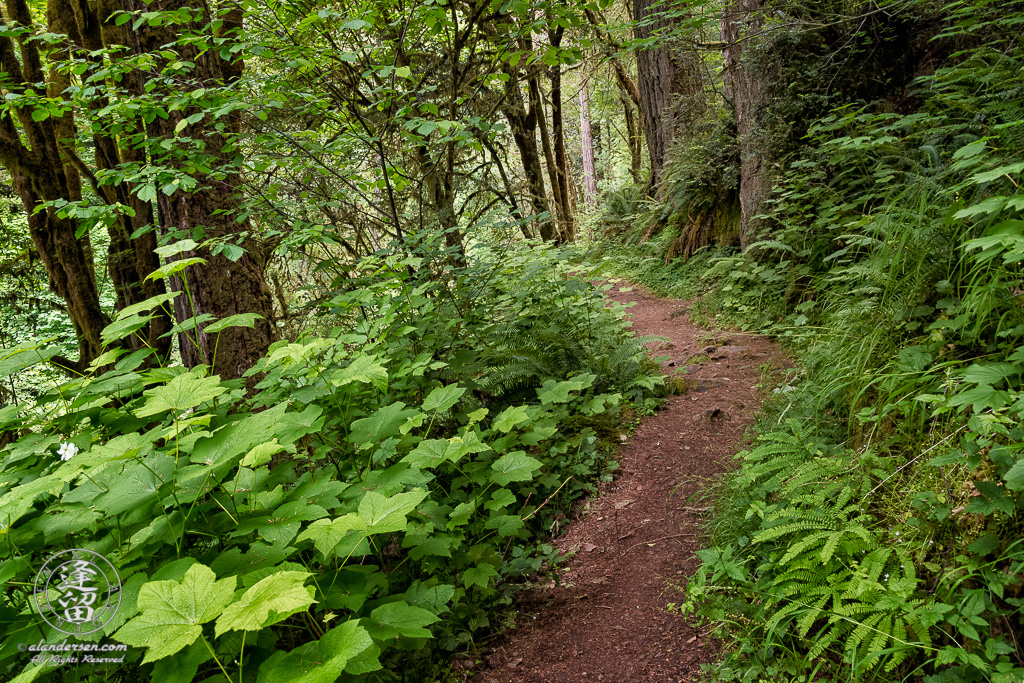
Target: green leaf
(443, 398)
(176, 248)
(123, 326)
(984, 545)
(989, 373)
(147, 192)
(273, 599)
(403, 72)
(479, 576)
(365, 370)
(552, 392)
(385, 422)
(280, 528)
(1015, 476)
(432, 452)
(174, 267)
(386, 515)
(327, 533)
(181, 393)
(238, 320)
(17, 358)
(320, 662)
(400, 619)
(514, 466)
(172, 612)
(510, 417)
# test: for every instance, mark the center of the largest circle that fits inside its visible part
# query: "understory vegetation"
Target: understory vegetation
(391, 476)
(872, 531)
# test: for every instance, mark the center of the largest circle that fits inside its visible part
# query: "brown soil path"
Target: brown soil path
(634, 543)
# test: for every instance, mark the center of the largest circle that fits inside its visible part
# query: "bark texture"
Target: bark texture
(743, 17)
(670, 84)
(43, 161)
(221, 287)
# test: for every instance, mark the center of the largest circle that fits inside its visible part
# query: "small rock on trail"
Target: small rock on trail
(634, 543)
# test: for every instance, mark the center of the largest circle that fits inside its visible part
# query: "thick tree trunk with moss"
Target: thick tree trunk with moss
(43, 161)
(742, 18)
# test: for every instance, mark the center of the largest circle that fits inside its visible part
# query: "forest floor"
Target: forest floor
(631, 547)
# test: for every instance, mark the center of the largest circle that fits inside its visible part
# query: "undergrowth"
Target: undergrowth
(365, 512)
(873, 532)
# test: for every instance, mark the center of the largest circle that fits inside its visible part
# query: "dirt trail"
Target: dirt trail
(635, 542)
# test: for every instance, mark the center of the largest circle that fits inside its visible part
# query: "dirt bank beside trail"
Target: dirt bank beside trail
(635, 542)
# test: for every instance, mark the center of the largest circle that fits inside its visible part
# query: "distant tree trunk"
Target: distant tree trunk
(537, 105)
(589, 177)
(664, 75)
(741, 18)
(524, 132)
(633, 140)
(558, 133)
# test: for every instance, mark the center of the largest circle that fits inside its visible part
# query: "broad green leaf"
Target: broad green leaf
(282, 525)
(176, 248)
(1015, 476)
(400, 619)
(320, 662)
(432, 452)
(17, 358)
(181, 393)
(500, 499)
(181, 667)
(506, 525)
(365, 370)
(261, 454)
(514, 466)
(443, 398)
(1000, 172)
(239, 320)
(386, 515)
(989, 373)
(273, 599)
(510, 417)
(385, 422)
(174, 267)
(558, 392)
(147, 305)
(122, 327)
(327, 533)
(479, 576)
(172, 612)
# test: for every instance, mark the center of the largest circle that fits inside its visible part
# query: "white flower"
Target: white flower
(67, 450)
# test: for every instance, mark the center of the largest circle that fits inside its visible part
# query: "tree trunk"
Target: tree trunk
(221, 287)
(48, 169)
(561, 156)
(524, 132)
(664, 75)
(741, 18)
(633, 140)
(537, 105)
(589, 177)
